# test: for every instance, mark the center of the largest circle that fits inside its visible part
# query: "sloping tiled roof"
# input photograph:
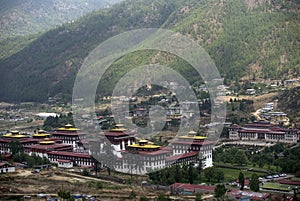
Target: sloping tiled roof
(181, 156)
(192, 187)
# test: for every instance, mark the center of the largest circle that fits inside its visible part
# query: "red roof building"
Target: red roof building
(289, 182)
(68, 134)
(43, 147)
(264, 131)
(144, 157)
(182, 158)
(188, 189)
(4, 143)
(237, 194)
(193, 143)
(79, 159)
(120, 137)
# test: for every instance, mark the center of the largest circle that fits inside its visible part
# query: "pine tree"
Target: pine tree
(241, 181)
(254, 183)
(220, 190)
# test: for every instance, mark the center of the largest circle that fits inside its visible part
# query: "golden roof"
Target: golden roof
(41, 135)
(146, 146)
(47, 141)
(195, 137)
(118, 129)
(12, 135)
(68, 127)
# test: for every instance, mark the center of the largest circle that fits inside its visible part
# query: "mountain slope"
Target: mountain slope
(48, 65)
(22, 17)
(246, 38)
(289, 102)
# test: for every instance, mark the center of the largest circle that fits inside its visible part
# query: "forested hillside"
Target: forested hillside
(20, 17)
(21, 21)
(289, 101)
(248, 39)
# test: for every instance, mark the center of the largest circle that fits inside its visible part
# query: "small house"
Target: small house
(64, 163)
(6, 167)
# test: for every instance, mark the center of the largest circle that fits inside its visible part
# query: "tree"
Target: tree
(16, 147)
(64, 194)
(177, 176)
(85, 172)
(240, 157)
(254, 183)
(220, 191)
(219, 175)
(162, 197)
(242, 106)
(143, 198)
(99, 185)
(132, 195)
(191, 173)
(198, 197)
(209, 173)
(200, 163)
(241, 181)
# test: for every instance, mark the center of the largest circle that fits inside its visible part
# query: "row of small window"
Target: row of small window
(69, 142)
(248, 136)
(193, 147)
(69, 158)
(146, 158)
(84, 163)
(275, 137)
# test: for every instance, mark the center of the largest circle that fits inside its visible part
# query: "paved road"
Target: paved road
(249, 143)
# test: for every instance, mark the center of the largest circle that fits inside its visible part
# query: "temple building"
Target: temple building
(79, 159)
(41, 134)
(43, 147)
(191, 145)
(15, 135)
(143, 157)
(68, 134)
(264, 131)
(186, 158)
(117, 148)
(120, 137)
(117, 139)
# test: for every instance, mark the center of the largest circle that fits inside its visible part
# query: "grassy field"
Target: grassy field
(270, 168)
(233, 174)
(277, 186)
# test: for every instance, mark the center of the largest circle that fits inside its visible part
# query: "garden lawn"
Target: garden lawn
(233, 174)
(277, 186)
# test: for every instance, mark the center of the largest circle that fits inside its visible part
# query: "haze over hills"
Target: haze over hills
(248, 39)
(21, 21)
(22, 17)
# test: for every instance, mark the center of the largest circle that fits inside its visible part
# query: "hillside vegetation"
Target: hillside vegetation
(23, 20)
(247, 39)
(22, 17)
(289, 101)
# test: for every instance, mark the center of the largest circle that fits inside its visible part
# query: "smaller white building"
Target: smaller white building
(64, 163)
(6, 167)
(250, 91)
